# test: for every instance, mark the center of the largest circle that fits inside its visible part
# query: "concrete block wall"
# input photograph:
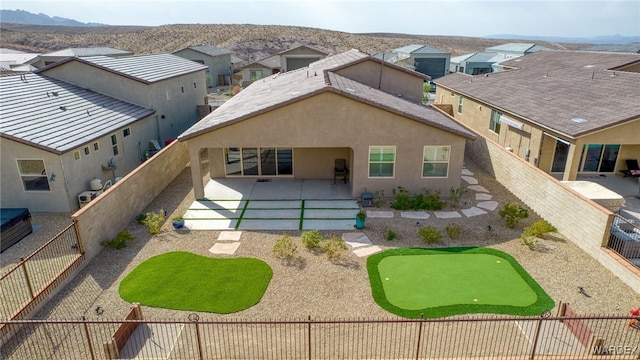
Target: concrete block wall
(110, 212)
(581, 220)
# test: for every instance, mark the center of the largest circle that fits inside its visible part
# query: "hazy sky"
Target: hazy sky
(568, 18)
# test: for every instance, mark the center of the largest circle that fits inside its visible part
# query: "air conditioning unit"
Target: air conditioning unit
(85, 197)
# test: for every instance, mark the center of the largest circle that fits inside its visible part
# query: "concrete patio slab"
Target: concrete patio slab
(356, 239)
(447, 214)
(331, 204)
(272, 214)
(274, 204)
(470, 180)
(211, 224)
(366, 251)
(467, 172)
(314, 224)
(212, 214)
(473, 211)
(225, 248)
(489, 205)
(229, 189)
(230, 235)
(269, 224)
(217, 204)
(478, 188)
(379, 214)
(415, 214)
(330, 213)
(277, 189)
(484, 197)
(149, 341)
(323, 189)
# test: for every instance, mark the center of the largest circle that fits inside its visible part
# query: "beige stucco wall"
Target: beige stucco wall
(246, 72)
(218, 65)
(108, 214)
(175, 112)
(332, 121)
(393, 80)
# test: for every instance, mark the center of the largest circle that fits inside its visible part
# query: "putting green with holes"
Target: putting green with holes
(452, 281)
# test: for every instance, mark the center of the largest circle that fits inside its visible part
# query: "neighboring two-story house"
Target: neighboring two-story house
(566, 112)
(172, 86)
(348, 106)
(287, 60)
(55, 56)
(489, 61)
(218, 61)
(57, 137)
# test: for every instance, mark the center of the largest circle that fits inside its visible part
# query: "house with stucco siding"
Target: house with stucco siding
(348, 106)
(217, 60)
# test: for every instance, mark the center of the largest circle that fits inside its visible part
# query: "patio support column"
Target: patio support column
(196, 173)
(571, 168)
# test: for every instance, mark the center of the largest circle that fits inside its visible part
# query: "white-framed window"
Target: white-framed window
(86, 151)
(255, 75)
(76, 155)
(382, 160)
(460, 102)
(126, 132)
(33, 174)
(435, 161)
(96, 146)
(494, 123)
(114, 145)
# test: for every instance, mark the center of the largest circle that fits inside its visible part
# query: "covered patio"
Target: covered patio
(628, 188)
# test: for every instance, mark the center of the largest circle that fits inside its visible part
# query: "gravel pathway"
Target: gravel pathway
(312, 285)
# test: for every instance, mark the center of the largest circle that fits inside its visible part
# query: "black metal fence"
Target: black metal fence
(485, 337)
(625, 239)
(26, 285)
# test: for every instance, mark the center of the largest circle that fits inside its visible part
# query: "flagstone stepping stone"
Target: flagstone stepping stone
(467, 172)
(230, 235)
(478, 188)
(225, 248)
(366, 251)
(484, 197)
(489, 205)
(356, 239)
(470, 180)
(473, 211)
(414, 214)
(379, 214)
(447, 214)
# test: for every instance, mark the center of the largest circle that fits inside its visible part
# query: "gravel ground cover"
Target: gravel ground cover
(312, 285)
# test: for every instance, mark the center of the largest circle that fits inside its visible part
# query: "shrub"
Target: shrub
(378, 198)
(284, 248)
(454, 196)
(154, 221)
(391, 234)
(403, 199)
(311, 239)
(512, 213)
(334, 247)
(538, 229)
(430, 234)
(453, 230)
(432, 201)
(120, 241)
(140, 218)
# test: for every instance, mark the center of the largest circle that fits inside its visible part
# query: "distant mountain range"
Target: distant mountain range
(25, 17)
(608, 39)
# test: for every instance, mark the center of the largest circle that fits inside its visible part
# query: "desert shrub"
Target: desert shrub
(453, 230)
(334, 247)
(391, 234)
(378, 198)
(140, 218)
(418, 202)
(512, 213)
(154, 221)
(430, 234)
(454, 196)
(537, 230)
(432, 201)
(311, 239)
(120, 241)
(403, 199)
(284, 247)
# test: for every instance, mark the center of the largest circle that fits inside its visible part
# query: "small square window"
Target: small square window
(86, 150)
(96, 147)
(126, 132)
(76, 155)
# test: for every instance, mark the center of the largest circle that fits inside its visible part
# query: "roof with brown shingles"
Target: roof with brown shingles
(550, 88)
(306, 82)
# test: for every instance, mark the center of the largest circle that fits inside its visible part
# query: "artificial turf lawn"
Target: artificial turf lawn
(185, 281)
(452, 281)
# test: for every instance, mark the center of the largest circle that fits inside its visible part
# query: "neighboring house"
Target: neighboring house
(630, 48)
(172, 86)
(423, 59)
(17, 61)
(53, 57)
(56, 137)
(566, 112)
(299, 57)
(237, 63)
(259, 69)
(489, 61)
(218, 61)
(348, 106)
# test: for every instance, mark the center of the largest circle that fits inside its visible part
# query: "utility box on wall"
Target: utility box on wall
(366, 199)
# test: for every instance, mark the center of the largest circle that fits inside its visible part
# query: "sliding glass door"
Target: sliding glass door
(599, 158)
(258, 161)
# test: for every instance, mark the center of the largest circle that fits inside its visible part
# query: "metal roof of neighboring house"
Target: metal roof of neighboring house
(516, 47)
(56, 116)
(306, 82)
(487, 57)
(144, 68)
(90, 51)
(630, 48)
(303, 46)
(12, 59)
(419, 49)
(271, 62)
(550, 88)
(210, 50)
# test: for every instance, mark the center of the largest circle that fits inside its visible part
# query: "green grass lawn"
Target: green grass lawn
(185, 281)
(452, 281)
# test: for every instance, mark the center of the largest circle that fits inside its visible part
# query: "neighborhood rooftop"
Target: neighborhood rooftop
(57, 116)
(144, 68)
(419, 49)
(89, 51)
(551, 88)
(285, 88)
(209, 50)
